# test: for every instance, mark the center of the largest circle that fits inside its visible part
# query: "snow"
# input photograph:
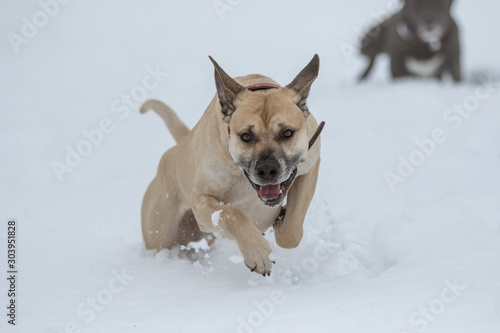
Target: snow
(422, 256)
(216, 217)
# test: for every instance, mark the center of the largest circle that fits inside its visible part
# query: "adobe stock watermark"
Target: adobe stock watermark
(225, 6)
(265, 309)
(119, 281)
(88, 310)
(94, 137)
(30, 27)
(349, 49)
(425, 148)
(426, 315)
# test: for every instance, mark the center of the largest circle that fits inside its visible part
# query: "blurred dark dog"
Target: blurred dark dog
(421, 40)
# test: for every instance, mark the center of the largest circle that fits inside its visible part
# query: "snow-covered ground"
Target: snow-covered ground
(419, 252)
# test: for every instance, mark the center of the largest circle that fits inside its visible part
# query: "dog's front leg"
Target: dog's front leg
(288, 229)
(252, 244)
(455, 70)
(398, 66)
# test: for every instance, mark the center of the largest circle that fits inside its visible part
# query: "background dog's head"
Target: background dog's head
(428, 19)
(268, 137)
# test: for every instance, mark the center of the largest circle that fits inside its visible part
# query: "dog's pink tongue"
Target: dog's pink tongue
(269, 191)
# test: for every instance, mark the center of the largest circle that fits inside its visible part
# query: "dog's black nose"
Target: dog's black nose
(268, 170)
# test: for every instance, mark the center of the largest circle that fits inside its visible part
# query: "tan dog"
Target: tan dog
(231, 173)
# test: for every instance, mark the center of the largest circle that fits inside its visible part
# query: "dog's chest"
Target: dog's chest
(247, 201)
(424, 67)
(261, 216)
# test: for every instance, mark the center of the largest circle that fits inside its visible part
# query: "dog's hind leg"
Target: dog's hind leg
(189, 231)
(161, 215)
(367, 71)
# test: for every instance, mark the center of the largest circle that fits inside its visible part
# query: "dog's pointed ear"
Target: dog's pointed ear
(302, 83)
(227, 90)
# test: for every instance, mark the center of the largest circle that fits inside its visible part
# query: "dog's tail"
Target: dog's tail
(173, 122)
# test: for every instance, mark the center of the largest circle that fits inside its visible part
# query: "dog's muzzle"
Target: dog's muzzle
(273, 194)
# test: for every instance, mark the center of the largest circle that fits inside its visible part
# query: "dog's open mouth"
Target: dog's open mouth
(273, 194)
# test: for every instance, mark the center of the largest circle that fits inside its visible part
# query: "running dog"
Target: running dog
(254, 146)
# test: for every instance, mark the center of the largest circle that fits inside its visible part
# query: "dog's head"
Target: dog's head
(428, 19)
(267, 132)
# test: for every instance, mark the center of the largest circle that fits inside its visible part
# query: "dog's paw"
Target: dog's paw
(257, 258)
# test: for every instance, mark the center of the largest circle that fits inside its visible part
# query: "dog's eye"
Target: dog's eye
(288, 133)
(246, 137)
